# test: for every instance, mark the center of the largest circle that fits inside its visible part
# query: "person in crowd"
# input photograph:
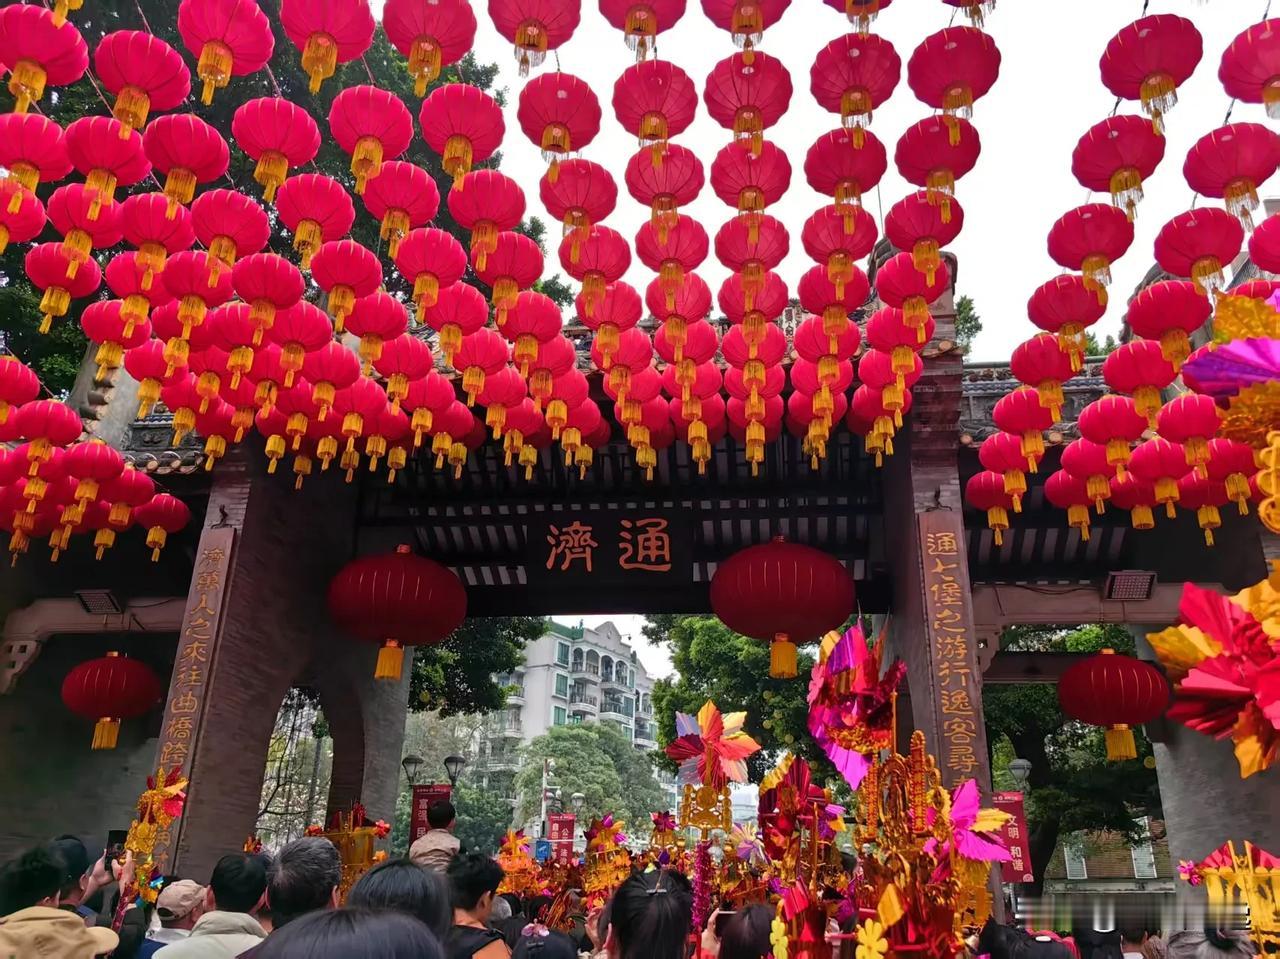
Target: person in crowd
(304, 878)
(436, 848)
(650, 917)
(352, 934)
(178, 907)
(598, 921)
(399, 885)
(1006, 942)
(75, 878)
(49, 931)
(745, 935)
(1133, 942)
(473, 881)
(33, 879)
(500, 913)
(540, 942)
(1210, 944)
(227, 926)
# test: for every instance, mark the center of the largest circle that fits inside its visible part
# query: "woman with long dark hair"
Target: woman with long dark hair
(650, 917)
(401, 885)
(351, 934)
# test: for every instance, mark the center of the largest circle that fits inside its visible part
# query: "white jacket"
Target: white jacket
(217, 935)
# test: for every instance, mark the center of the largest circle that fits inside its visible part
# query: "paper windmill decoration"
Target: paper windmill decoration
(974, 830)
(850, 705)
(520, 870)
(711, 747)
(1252, 875)
(789, 801)
(1224, 659)
(748, 846)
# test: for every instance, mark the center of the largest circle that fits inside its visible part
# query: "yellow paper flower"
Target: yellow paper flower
(871, 941)
(778, 938)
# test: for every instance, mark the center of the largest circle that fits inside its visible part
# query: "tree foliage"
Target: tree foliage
(1094, 347)
(968, 322)
(458, 675)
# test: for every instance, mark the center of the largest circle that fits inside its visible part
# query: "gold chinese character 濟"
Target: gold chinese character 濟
(570, 544)
(648, 547)
(213, 556)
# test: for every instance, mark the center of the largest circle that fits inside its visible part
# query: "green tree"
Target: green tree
(968, 322)
(641, 793)
(458, 675)
(1092, 347)
(483, 817)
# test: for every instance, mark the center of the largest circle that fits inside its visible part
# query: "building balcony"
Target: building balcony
(503, 764)
(583, 673)
(584, 704)
(507, 730)
(612, 683)
(611, 709)
(515, 696)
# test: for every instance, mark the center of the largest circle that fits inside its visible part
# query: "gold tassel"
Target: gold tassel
(1120, 744)
(782, 657)
(390, 661)
(106, 733)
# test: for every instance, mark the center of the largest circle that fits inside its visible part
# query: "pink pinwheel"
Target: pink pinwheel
(973, 830)
(663, 821)
(789, 799)
(1225, 371)
(711, 747)
(747, 845)
(605, 830)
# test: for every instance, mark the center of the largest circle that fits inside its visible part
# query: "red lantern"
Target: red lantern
(835, 167)
(1113, 422)
(109, 690)
(345, 270)
(514, 265)
(665, 188)
(1198, 244)
(69, 208)
(502, 391)
(231, 38)
(431, 35)
(33, 149)
(556, 358)
(915, 224)
(747, 93)
(1090, 462)
(818, 295)
(355, 408)
(229, 225)
(976, 10)
(560, 114)
(618, 310)
(1161, 463)
(40, 48)
(654, 101)
(233, 330)
(1169, 311)
(1021, 413)
(143, 72)
(1039, 362)
(1136, 496)
(147, 226)
(1230, 162)
(861, 13)
(695, 344)
(93, 464)
(56, 275)
(837, 241)
(147, 364)
(431, 260)
(316, 209)
(1089, 239)
(690, 301)
(1002, 454)
(126, 491)
(18, 385)
(852, 76)
(180, 336)
(1066, 306)
(481, 354)
(1149, 59)
(1116, 156)
(784, 593)
(1070, 493)
(268, 283)
(569, 390)
(106, 155)
(126, 274)
(1250, 67)
(1192, 420)
(402, 196)
(641, 22)
(766, 303)
(634, 353)
(1139, 369)
(749, 182)
(463, 124)
(376, 318)
(534, 26)
(889, 332)
(1204, 495)
(162, 515)
(277, 135)
(1264, 246)
(534, 319)
(459, 310)
(900, 284)
(582, 193)
(104, 323)
(425, 398)
(876, 371)
(1117, 692)
(813, 428)
(674, 256)
(187, 151)
(372, 125)
(486, 203)
(868, 417)
(603, 258)
(746, 20)
(337, 31)
(1231, 463)
(752, 259)
(930, 155)
(757, 365)
(986, 491)
(951, 69)
(331, 368)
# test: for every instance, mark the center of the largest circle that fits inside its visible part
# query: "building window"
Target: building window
(562, 654)
(558, 715)
(562, 685)
(1073, 856)
(1144, 857)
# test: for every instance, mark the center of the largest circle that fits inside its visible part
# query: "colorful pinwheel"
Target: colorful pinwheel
(711, 747)
(748, 846)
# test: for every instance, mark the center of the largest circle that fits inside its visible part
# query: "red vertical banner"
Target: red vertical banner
(1014, 836)
(560, 832)
(423, 797)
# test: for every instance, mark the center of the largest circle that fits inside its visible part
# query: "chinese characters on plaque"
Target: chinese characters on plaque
(1014, 836)
(560, 834)
(423, 797)
(948, 621)
(608, 546)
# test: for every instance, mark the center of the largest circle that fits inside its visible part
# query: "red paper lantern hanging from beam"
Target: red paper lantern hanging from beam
(1250, 67)
(1115, 691)
(109, 690)
(1116, 156)
(1149, 59)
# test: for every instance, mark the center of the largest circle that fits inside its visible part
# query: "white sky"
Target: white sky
(1048, 94)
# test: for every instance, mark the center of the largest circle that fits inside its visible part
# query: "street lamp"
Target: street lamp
(577, 800)
(411, 764)
(1020, 770)
(453, 767)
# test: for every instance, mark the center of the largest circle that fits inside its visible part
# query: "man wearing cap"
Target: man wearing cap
(178, 907)
(41, 931)
(227, 927)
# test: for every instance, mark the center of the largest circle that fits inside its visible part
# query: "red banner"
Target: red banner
(560, 832)
(423, 797)
(1014, 836)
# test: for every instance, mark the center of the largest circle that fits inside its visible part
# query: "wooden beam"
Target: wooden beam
(1009, 667)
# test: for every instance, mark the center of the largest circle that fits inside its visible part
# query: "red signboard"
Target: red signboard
(560, 832)
(423, 797)
(1014, 836)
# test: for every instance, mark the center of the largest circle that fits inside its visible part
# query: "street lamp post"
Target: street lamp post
(411, 764)
(453, 768)
(548, 766)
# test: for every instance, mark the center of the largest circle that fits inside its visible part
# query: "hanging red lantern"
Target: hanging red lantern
(109, 690)
(268, 283)
(560, 114)
(33, 150)
(930, 155)
(869, 418)
(746, 20)
(487, 203)
(755, 434)
(603, 258)
(1137, 496)
(534, 319)
(514, 265)
(569, 390)
(125, 276)
(209, 367)
(641, 22)
(695, 344)
(766, 303)
(1191, 419)
(431, 259)
(1002, 454)
(1040, 363)
(1250, 67)
(1230, 162)
(502, 391)
(426, 397)
(229, 225)
(654, 101)
(674, 256)
(986, 491)
(330, 33)
(1021, 413)
(299, 408)
(1066, 306)
(402, 196)
(125, 492)
(835, 167)
(1114, 423)
(618, 310)
(828, 238)
(689, 302)
(750, 182)
(180, 337)
(331, 368)
(1161, 463)
(914, 224)
(1204, 496)
(1090, 462)
(355, 407)
(1139, 369)
(232, 329)
(556, 358)
(1117, 692)
(316, 209)
(230, 38)
(976, 10)
(345, 270)
(1116, 156)
(818, 295)
(388, 436)
(104, 323)
(93, 464)
(1232, 464)
(56, 275)
(1197, 244)
(68, 211)
(752, 260)
(889, 332)
(106, 155)
(823, 383)
(376, 318)
(523, 423)
(147, 365)
(18, 385)
(481, 354)
(459, 310)
(143, 72)
(876, 371)
(1169, 311)
(852, 76)
(812, 344)
(665, 188)
(633, 354)
(187, 151)
(861, 13)
(1264, 246)
(464, 125)
(785, 593)
(747, 93)
(1068, 492)
(431, 35)
(371, 124)
(1149, 59)
(899, 283)
(146, 224)
(162, 516)
(813, 428)
(951, 69)
(584, 430)
(276, 134)
(582, 193)
(41, 49)
(534, 26)
(691, 393)
(755, 369)
(1089, 239)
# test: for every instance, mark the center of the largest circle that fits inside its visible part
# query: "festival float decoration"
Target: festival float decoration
(607, 861)
(520, 872)
(353, 835)
(1241, 878)
(109, 690)
(159, 806)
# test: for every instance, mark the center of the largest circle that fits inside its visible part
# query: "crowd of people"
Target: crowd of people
(57, 901)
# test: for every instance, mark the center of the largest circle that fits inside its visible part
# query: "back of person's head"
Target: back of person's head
(352, 934)
(472, 877)
(75, 860)
(441, 814)
(33, 877)
(1134, 933)
(399, 885)
(651, 916)
(239, 879)
(537, 906)
(303, 879)
(746, 934)
(501, 910)
(545, 944)
(512, 900)
(1209, 944)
